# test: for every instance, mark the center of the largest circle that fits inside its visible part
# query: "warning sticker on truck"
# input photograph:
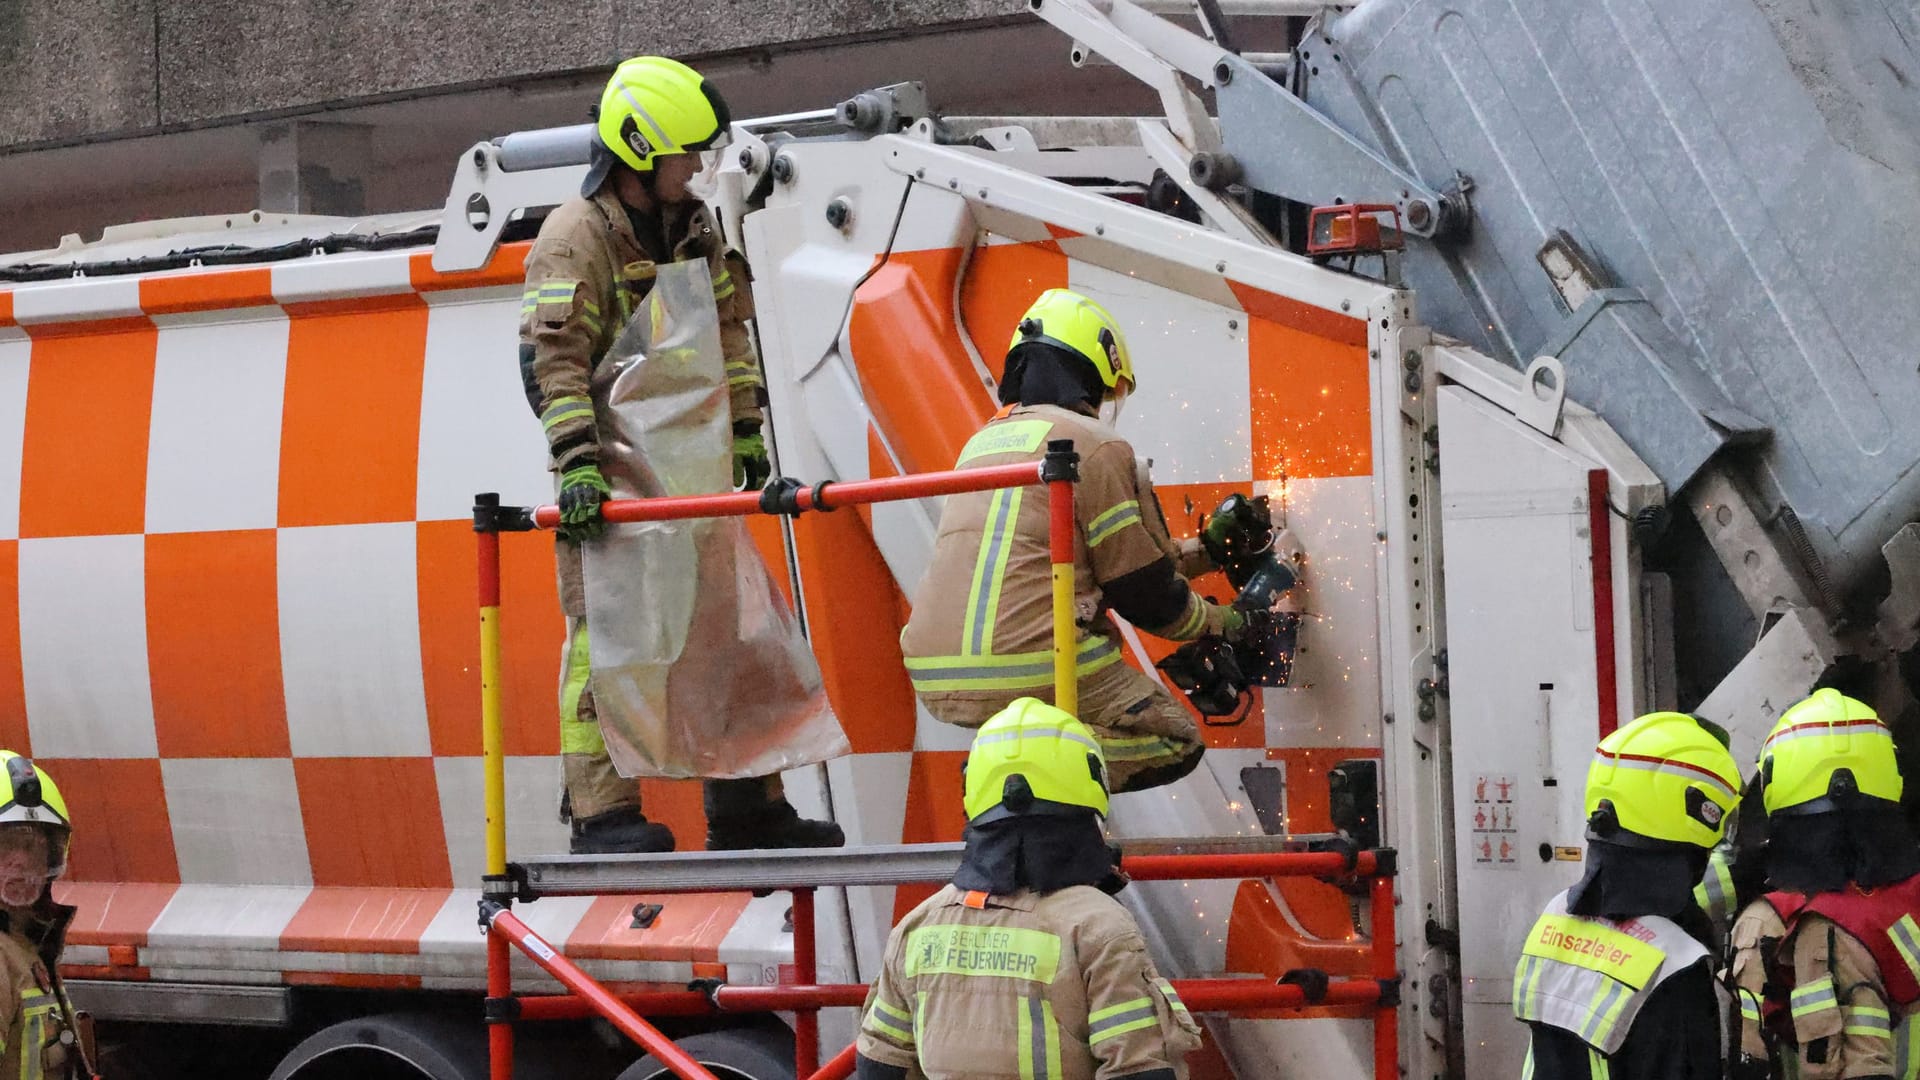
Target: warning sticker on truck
(1496, 838)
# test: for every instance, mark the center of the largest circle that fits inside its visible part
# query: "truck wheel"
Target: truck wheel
(734, 1054)
(422, 1046)
(389, 1047)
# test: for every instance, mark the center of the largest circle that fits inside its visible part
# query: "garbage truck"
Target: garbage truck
(1568, 340)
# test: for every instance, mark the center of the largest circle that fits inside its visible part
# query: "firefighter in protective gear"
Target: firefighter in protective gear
(43, 1033)
(587, 273)
(1025, 966)
(1615, 979)
(981, 632)
(1826, 970)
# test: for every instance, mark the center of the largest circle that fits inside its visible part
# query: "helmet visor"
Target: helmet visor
(705, 184)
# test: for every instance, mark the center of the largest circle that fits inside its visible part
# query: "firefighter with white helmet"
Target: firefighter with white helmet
(981, 631)
(587, 273)
(1615, 979)
(1025, 967)
(1826, 968)
(41, 1030)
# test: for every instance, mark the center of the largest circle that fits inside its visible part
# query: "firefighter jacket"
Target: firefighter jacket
(1831, 983)
(1054, 986)
(982, 620)
(41, 1037)
(586, 275)
(1626, 999)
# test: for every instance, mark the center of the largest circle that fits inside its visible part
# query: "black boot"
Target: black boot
(743, 814)
(625, 831)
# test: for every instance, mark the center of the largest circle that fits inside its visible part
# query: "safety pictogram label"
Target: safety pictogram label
(1495, 812)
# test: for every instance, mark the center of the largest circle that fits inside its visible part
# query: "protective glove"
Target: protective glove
(1233, 622)
(751, 466)
(582, 490)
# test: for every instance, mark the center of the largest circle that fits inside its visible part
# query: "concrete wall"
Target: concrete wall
(116, 111)
(74, 70)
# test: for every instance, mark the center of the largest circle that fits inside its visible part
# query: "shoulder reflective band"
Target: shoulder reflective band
(1104, 1024)
(887, 1020)
(998, 952)
(1010, 437)
(1871, 1021)
(1038, 1040)
(1585, 943)
(1816, 996)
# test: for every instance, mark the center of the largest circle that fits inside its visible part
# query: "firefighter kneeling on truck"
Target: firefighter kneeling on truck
(1826, 970)
(1615, 980)
(981, 633)
(44, 1036)
(588, 272)
(1026, 967)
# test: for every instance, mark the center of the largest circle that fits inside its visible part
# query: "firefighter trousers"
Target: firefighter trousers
(1149, 739)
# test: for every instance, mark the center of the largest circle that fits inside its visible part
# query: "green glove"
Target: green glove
(1232, 621)
(751, 466)
(582, 490)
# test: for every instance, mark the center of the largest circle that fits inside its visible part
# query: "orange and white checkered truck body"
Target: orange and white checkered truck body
(239, 624)
(237, 609)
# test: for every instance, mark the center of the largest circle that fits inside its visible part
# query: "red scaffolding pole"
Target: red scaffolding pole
(585, 997)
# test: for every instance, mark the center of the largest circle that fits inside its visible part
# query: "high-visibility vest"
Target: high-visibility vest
(1590, 977)
(1885, 920)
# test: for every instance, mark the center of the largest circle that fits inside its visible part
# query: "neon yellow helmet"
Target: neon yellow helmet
(1067, 320)
(1666, 778)
(1827, 745)
(29, 796)
(1029, 752)
(654, 106)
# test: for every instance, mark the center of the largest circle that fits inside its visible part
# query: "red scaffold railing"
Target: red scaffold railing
(585, 997)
